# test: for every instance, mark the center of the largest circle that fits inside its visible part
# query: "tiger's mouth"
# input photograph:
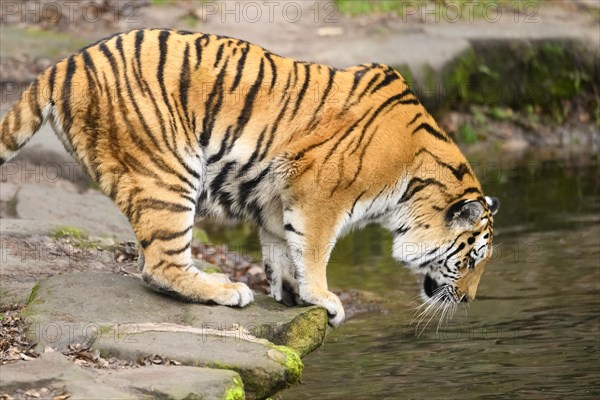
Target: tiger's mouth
(443, 292)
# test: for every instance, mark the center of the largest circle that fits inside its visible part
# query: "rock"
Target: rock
(122, 318)
(178, 382)
(52, 370)
(28, 254)
(73, 209)
(82, 298)
(265, 369)
(56, 371)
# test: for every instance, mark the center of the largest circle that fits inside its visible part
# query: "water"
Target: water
(533, 332)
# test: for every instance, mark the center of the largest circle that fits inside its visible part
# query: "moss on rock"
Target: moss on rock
(293, 364)
(236, 391)
(306, 332)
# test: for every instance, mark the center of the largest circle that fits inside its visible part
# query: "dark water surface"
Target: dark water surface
(533, 332)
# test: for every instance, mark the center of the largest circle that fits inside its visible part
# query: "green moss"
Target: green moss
(77, 238)
(293, 363)
(235, 392)
(68, 232)
(307, 331)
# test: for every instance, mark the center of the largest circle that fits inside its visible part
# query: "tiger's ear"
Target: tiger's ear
(493, 204)
(464, 214)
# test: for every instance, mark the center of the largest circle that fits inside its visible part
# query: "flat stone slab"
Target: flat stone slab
(52, 370)
(264, 368)
(82, 303)
(122, 318)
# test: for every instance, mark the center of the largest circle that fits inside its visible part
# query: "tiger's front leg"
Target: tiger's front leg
(310, 239)
(280, 269)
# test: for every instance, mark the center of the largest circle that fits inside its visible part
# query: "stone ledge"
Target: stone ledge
(120, 317)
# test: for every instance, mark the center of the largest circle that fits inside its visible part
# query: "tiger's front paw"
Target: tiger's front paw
(232, 294)
(327, 300)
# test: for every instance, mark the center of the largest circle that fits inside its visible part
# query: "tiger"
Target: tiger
(173, 124)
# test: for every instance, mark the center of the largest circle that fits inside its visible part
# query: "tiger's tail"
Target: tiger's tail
(24, 119)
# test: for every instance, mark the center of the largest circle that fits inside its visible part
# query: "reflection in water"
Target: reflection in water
(533, 332)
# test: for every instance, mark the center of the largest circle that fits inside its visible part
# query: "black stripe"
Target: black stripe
(165, 236)
(137, 72)
(198, 45)
(34, 104)
(51, 81)
(465, 192)
(358, 75)
(213, 106)
(313, 122)
(390, 76)
(379, 110)
(402, 230)
(431, 130)
(278, 120)
(273, 70)
(290, 228)
(219, 54)
(254, 155)
(361, 158)
(348, 131)
(458, 172)
(113, 141)
(246, 112)
(184, 83)
(459, 248)
(288, 83)
(216, 157)
(67, 96)
(163, 37)
(155, 204)
(9, 140)
(219, 180)
(89, 64)
(177, 251)
(303, 90)
(356, 201)
(92, 120)
(412, 121)
(247, 187)
(216, 185)
(420, 184)
(366, 89)
(240, 68)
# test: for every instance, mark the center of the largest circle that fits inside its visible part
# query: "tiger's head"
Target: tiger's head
(449, 250)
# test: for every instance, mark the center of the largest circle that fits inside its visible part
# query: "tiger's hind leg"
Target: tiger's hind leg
(280, 269)
(162, 221)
